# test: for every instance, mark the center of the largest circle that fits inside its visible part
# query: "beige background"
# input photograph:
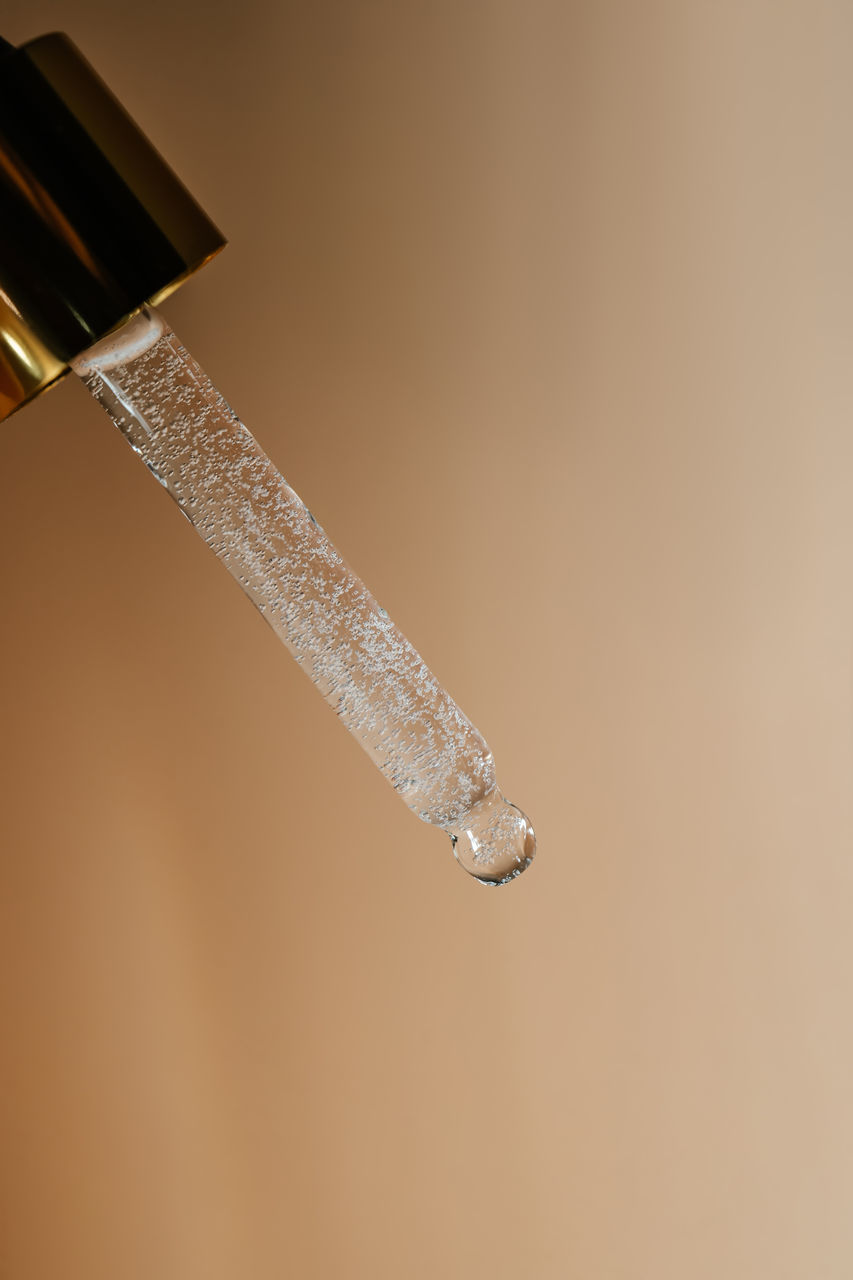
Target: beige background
(545, 309)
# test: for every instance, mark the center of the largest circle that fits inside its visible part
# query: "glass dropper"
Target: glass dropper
(178, 423)
(95, 231)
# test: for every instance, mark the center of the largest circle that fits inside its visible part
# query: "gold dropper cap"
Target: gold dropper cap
(93, 222)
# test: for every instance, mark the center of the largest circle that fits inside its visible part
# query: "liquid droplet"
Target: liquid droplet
(495, 841)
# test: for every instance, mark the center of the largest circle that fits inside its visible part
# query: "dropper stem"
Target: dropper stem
(175, 419)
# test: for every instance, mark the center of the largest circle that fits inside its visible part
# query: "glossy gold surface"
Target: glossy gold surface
(59, 239)
(27, 367)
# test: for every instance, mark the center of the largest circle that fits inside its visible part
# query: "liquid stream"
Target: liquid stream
(379, 686)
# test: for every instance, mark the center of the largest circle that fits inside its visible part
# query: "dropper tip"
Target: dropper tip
(496, 841)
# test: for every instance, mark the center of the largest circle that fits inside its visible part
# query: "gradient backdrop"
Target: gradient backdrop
(545, 310)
